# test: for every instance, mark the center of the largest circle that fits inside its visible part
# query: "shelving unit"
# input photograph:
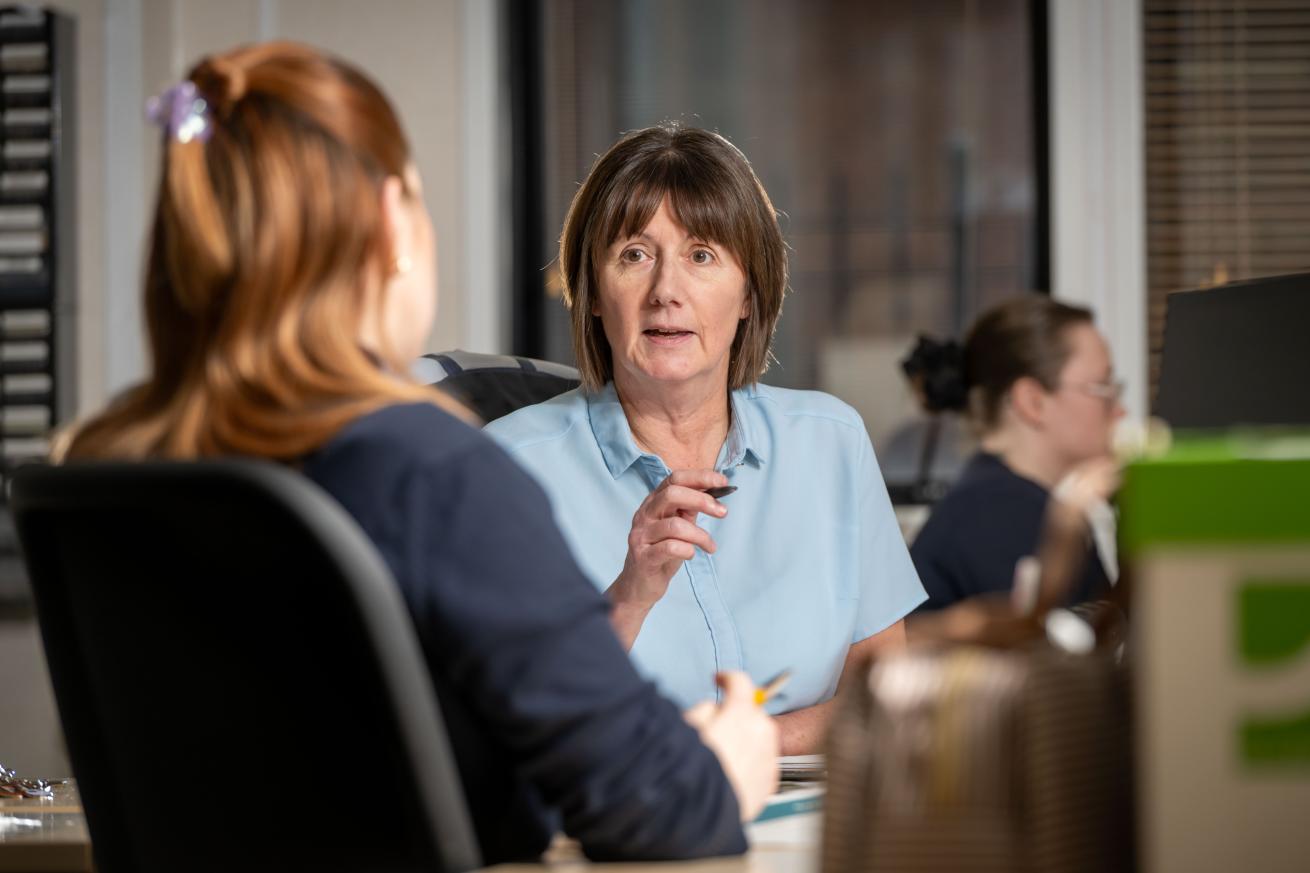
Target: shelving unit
(37, 242)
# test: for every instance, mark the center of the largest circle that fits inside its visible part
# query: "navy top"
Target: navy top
(547, 717)
(990, 519)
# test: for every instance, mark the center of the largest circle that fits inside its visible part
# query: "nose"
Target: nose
(666, 287)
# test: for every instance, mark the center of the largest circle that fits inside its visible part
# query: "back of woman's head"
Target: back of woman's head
(268, 246)
(1026, 337)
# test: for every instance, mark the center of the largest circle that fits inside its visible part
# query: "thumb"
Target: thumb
(700, 715)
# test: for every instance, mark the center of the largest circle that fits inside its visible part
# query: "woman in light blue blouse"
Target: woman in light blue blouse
(674, 271)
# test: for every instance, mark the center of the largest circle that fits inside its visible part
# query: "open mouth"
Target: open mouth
(666, 333)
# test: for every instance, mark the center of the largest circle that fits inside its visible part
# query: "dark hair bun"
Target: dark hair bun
(937, 370)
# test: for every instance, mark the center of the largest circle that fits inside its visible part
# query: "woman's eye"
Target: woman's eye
(702, 256)
(632, 256)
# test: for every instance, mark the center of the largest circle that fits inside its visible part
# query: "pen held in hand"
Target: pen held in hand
(720, 491)
(772, 687)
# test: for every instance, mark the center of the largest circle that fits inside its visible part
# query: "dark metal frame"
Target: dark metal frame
(1039, 20)
(523, 37)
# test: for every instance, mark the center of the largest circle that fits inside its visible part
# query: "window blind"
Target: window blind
(1227, 116)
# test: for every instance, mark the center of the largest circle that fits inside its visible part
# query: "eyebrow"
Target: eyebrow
(620, 240)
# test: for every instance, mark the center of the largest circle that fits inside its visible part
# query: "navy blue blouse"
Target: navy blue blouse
(990, 519)
(548, 719)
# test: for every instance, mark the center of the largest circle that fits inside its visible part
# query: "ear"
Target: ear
(745, 306)
(397, 220)
(1028, 400)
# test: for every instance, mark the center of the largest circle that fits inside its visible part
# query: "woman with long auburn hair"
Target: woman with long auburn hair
(291, 280)
(260, 268)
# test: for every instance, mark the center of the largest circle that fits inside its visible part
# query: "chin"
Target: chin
(664, 372)
(1094, 452)
(666, 380)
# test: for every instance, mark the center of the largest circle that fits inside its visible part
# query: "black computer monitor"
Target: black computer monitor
(1237, 355)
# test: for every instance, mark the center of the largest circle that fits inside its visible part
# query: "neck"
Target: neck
(1027, 454)
(684, 424)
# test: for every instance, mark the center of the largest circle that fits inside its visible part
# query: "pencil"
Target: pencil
(772, 687)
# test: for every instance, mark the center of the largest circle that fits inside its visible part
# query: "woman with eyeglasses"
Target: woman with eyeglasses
(1039, 385)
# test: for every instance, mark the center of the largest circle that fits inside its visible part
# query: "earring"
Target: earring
(401, 265)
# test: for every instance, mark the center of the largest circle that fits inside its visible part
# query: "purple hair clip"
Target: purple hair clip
(181, 112)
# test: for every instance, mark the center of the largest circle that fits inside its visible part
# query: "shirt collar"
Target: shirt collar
(744, 442)
(610, 427)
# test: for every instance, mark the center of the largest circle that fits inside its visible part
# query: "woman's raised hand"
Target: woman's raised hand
(664, 534)
(1089, 483)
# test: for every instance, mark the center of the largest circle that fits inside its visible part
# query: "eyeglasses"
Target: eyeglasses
(1110, 392)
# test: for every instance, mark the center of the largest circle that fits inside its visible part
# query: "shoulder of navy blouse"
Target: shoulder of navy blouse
(976, 534)
(548, 718)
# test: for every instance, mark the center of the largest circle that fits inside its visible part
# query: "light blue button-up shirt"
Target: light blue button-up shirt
(810, 559)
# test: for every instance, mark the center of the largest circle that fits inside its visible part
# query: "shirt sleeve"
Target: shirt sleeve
(526, 638)
(889, 586)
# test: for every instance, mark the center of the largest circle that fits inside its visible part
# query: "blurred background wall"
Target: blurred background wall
(132, 49)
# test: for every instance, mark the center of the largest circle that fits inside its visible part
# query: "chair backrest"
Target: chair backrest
(239, 679)
(495, 385)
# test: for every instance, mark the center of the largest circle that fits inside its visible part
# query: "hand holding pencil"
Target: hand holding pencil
(744, 739)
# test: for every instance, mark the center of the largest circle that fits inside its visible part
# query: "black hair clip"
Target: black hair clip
(937, 369)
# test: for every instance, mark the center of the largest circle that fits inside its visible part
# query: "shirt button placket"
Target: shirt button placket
(703, 579)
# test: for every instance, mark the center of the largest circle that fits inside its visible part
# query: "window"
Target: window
(1227, 145)
(901, 140)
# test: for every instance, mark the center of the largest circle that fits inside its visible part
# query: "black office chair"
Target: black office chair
(494, 385)
(238, 677)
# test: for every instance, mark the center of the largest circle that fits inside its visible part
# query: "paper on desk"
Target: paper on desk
(794, 831)
(794, 799)
(797, 767)
(793, 817)
(799, 830)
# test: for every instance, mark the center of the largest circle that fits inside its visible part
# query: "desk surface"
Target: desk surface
(61, 845)
(780, 846)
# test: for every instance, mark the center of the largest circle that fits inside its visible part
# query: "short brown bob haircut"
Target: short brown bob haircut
(714, 194)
